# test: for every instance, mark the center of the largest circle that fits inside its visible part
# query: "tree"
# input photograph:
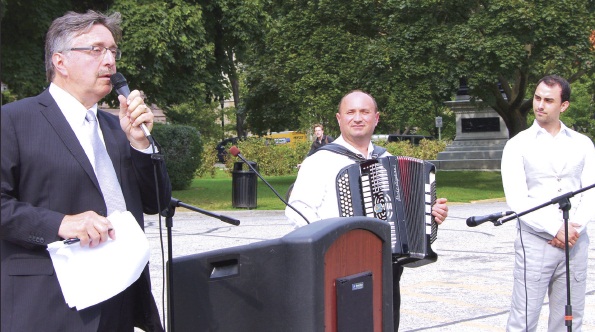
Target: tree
(24, 25)
(411, 55)
(165, 51)
(233, 26)
(581, 114)
(180, 53)
(503, 47)
(318, 51)
(164, 46)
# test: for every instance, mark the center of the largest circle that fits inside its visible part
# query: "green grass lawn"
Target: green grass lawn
(468, 186)
(214, 194)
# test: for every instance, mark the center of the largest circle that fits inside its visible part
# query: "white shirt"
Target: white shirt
(75, 114)
(538, 167)
(314, 193)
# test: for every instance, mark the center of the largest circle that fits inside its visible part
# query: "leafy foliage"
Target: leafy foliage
(310, 60)
(426, 150)
(182, 148)
(282, 159)
(411, 55)
(581, 114)
(298, 58)
(24, 25)
(165, 51)
(503, 47)
(208, 159)
(199, 117)
(272, 159)
(232, 26)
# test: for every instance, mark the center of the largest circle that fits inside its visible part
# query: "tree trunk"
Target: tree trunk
(240, 112)
(235, 91)
(512, 107)
(515, 119)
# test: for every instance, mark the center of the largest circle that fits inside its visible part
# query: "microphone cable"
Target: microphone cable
(236, 153)
(155, 157)
(121, 87)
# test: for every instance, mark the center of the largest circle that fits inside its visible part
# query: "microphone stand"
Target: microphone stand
(557, 200)
(168, 213)
(563, 202)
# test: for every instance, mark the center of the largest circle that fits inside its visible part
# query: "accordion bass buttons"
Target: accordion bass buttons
(344, 197)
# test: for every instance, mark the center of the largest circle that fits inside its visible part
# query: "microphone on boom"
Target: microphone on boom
(236, 153)
(478, 220)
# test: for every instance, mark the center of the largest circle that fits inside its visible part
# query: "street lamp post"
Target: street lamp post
(222, 118)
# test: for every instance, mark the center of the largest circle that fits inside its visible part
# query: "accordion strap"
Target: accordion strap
(336, 148)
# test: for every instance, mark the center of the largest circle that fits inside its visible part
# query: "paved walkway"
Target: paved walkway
(467, 289)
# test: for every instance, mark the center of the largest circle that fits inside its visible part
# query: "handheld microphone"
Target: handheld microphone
(236, 153)
(119, 83)
(474, 221)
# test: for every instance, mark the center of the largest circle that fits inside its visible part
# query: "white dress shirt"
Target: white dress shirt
(75, 114)
(314, 193)
(538, 167)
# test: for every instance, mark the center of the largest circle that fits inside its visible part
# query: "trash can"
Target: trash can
(243, 185)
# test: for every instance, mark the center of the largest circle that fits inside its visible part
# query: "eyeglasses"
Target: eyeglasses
(99, 51)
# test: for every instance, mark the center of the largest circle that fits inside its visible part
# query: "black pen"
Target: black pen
(71, 241)
(76, 239)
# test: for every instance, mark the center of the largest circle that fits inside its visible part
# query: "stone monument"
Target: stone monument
(480, 138)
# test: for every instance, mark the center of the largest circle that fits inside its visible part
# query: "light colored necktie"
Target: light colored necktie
(104, 170)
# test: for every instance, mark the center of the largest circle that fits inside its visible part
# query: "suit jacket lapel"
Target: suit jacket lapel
(54, 116)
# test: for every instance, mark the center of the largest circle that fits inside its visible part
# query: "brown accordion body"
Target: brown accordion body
(400, 190)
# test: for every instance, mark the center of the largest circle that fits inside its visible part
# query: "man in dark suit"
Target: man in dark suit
(50, 190)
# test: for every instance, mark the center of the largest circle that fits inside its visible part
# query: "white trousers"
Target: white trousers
(546, 272)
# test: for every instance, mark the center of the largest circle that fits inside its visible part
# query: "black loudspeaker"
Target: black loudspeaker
(286, 284)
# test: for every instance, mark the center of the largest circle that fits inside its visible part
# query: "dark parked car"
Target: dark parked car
(222, 147)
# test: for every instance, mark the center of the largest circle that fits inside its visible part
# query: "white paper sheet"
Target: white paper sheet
(89, 276)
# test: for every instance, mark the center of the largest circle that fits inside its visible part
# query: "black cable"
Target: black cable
(156, 157)
(273, 189)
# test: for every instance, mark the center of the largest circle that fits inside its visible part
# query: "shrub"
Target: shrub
(426, 150)
(209, 158)
(282, 159)
(272, 159)
(182, 148)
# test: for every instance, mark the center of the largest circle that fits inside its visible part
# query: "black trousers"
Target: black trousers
(397, 272)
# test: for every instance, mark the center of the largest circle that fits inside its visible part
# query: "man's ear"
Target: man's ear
(564, 106)
(58, 59)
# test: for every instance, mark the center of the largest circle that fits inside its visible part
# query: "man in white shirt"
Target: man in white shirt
(314, 193)
(539, 164)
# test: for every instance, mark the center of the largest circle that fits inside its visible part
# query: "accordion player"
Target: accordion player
(400, 190)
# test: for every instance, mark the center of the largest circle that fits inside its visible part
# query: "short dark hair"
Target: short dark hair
(552, 80)
(65, 28)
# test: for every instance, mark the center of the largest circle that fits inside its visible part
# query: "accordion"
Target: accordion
(400, 190)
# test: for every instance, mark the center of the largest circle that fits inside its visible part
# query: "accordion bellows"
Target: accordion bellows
(401, 191)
